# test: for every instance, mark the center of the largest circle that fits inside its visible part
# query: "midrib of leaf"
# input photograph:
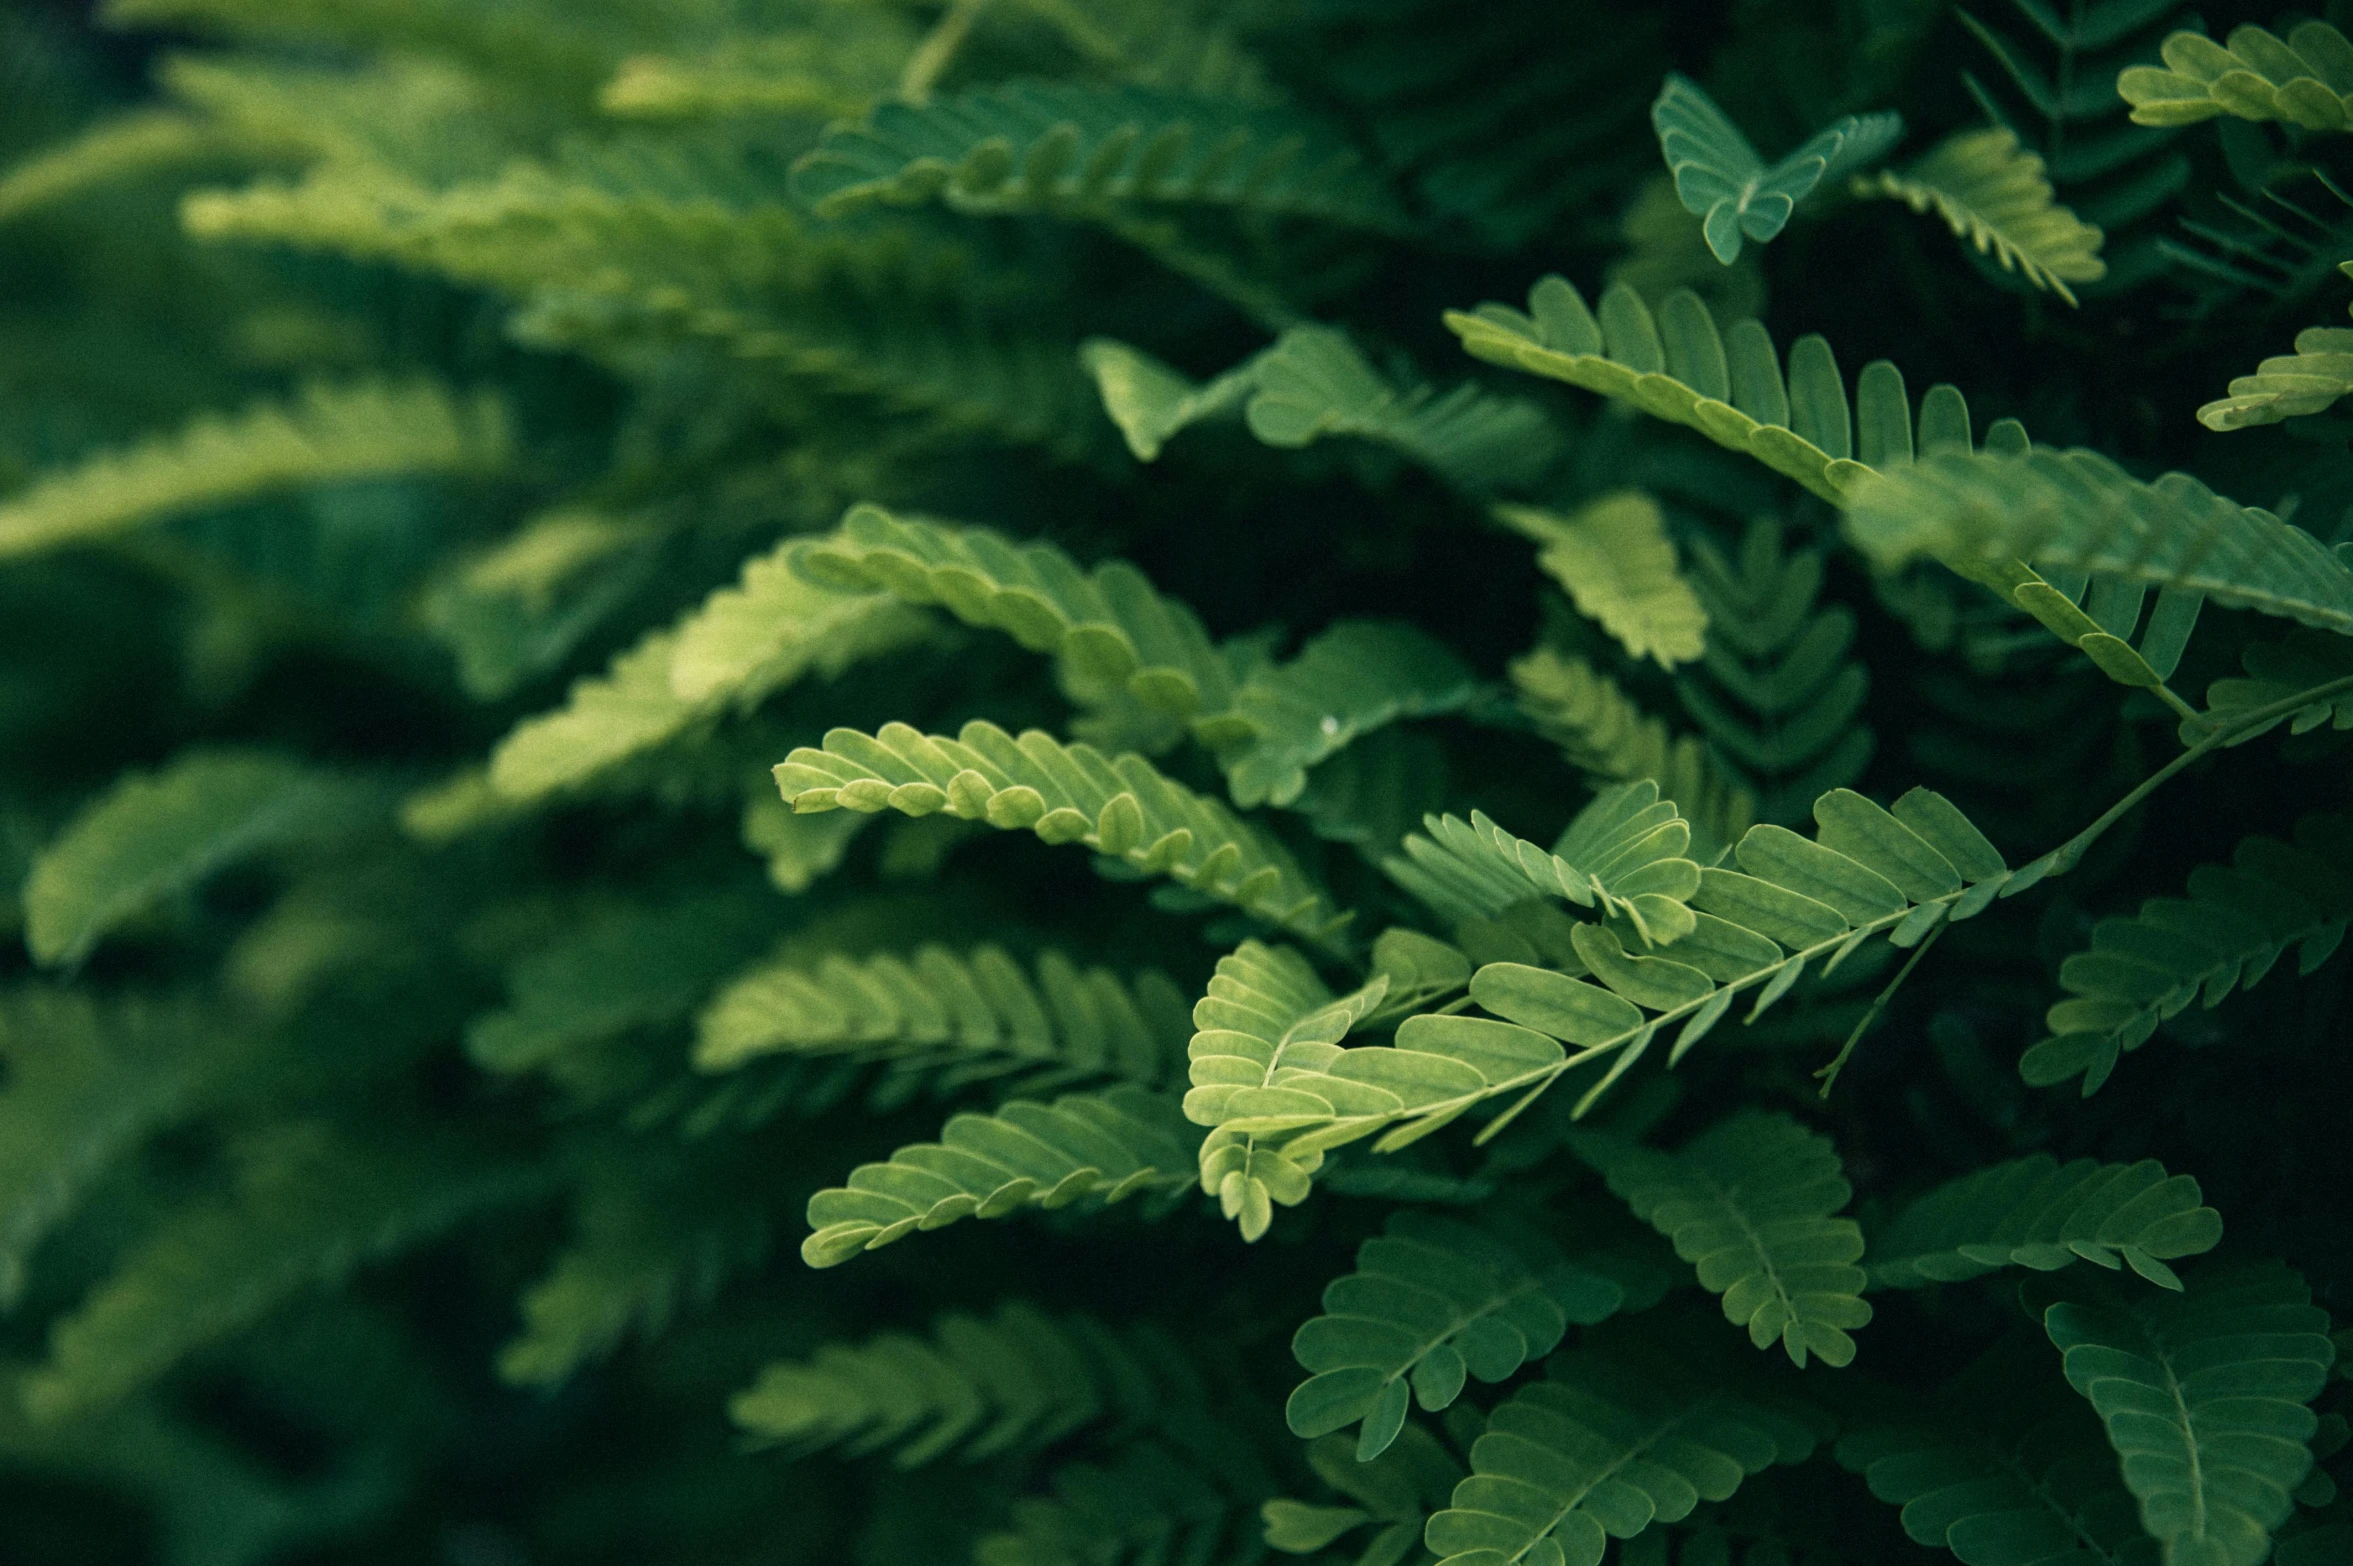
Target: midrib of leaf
(1494, 1304)
(1659, 1433)
(2189, 1430)
(1729, 1198)
(2008, 1461)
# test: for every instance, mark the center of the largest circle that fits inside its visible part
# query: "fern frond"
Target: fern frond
(1016, 1381)
(1793, 900)
(2077, 511)
(2035, 1212)
(1603, 732)
(1109, 628)
(2314, 377)
(1624, 854)
(1430, 1302)
(311, 1205)
(154, 835)
(1721, 179)
(835, 69)
(84, 1084)
(1605, 1446)
(1357, 676)
(2235, 924)
(1120, 807)
(740, 646)
(1397, 1489)
(1313, 382)
(330, 434)
(964, 1019)
(2037, 1499)
(1265, 1017)
(125, 147)
(1097, 1148)
(1148, 1505)
(799, 849)
(2204, 1394)
(1073, 150)
(1782, 700)
(2304, 80)
(2279, 672)
(648, 1242)
(1618, 565)
(1750, 1203)
(1678, 367)
(518, 609)
(1993, 193)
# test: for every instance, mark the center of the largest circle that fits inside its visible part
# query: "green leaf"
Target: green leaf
(1073, 150)
(1994, 194)
(1120, 807)
(1605, 1446)
(155, 835)
(1096, 1148)
(2078, 511)
(2305, 81)
(1618, 565)
(2319, 372)
(329, 434)
(1356, 677)
(2204, 1396)
(2035, 1212)
(1749, 1203)
(959, 1018)
(1017, 1380)
(1429, 1301)
(1720, 177)
(2232, 928)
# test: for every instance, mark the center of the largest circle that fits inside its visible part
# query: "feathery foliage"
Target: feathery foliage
(547, 545)
(1993, 193)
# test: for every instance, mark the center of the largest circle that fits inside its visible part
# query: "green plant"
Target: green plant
(875, 780)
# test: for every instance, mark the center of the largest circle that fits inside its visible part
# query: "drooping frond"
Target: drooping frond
(1723, 181)
(1778, 693)
(2288, 386)
(1603, 732)
(1993, 193)
(1109, 628)
(1618, 566)
(1678, 366)
(1749, 1203)
(2035, 1212)
(2204, 1394)
(959, 1019)
(311, 1204)
(2041, 1498)
(84, 1083)
(1083, 151)
(157, 834)
(1120, 806)
(2076, 510)
(1793, 900)
(1093, 1147)
(1357, 676)
(1015, 1381)
(740, 646)
(1605, 1446)
(650, 1240)
(1265, 1018)
(1151, 1503)
(1430, 1302)
(2304, 80)
(2235, 924)
(1314, 382)
(329, 434)
(123, 148)
(1625, 854)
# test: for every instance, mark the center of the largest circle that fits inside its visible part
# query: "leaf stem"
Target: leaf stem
(937, 52)
(1829, 1074)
